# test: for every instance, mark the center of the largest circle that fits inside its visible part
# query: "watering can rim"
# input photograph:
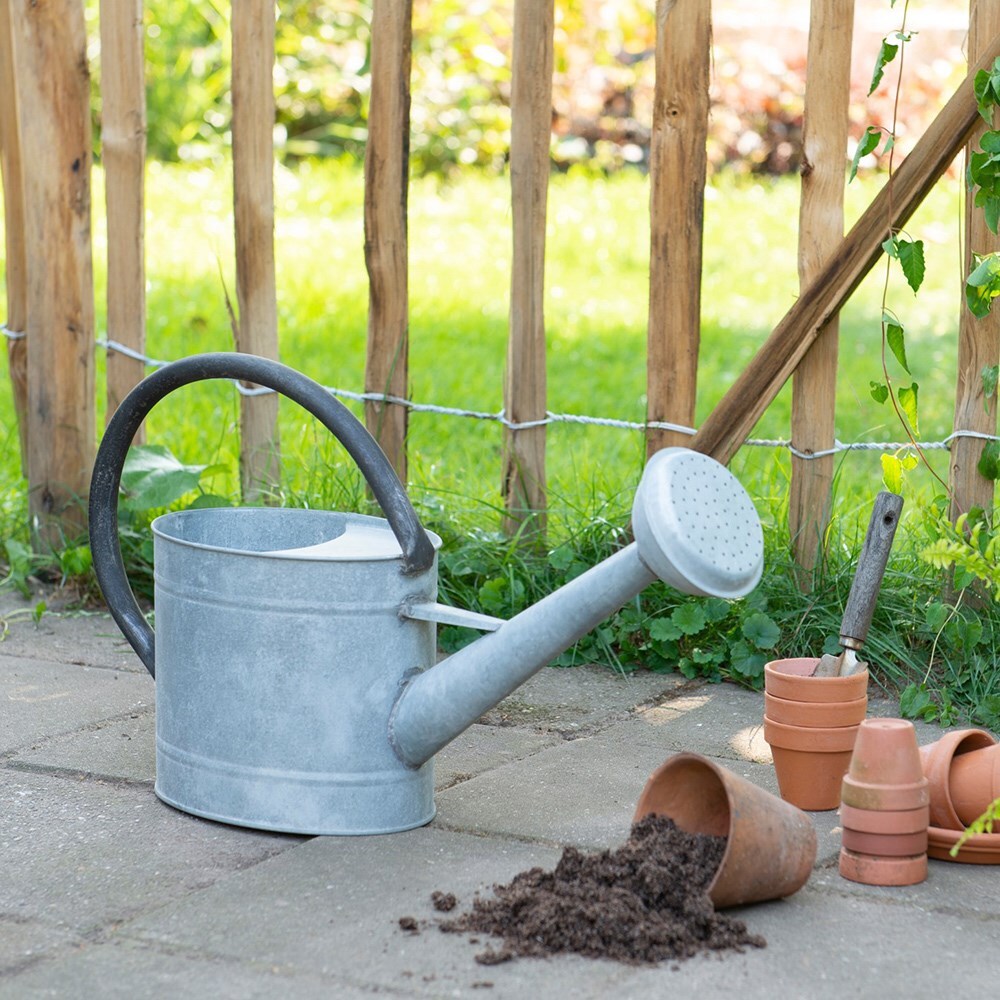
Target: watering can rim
(179, 515)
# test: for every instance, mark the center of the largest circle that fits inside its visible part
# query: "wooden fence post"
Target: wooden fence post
(821, 227)
(728, 425)
(524, 385)
(50, 59)
(253, 194)
(386, 183)
(16, 266)
(123, 154)
(978, 339)
(678, 160)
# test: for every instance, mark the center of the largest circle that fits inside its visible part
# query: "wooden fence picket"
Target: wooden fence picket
(821, 227)
(253, 193)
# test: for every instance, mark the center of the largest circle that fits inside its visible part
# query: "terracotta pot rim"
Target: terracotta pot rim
(887, 798)
(974, 782)
(831, 714)
(884, 820)
(874, 870)
(890, 845)
(936, 759)
(802, 686)
(983, 849)
(810, 739)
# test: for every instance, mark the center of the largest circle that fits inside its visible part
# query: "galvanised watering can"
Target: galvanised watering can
(294, 652)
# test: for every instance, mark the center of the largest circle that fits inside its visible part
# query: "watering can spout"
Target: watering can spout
(695, 529)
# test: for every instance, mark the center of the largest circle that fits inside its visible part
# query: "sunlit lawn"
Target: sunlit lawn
(596, 304)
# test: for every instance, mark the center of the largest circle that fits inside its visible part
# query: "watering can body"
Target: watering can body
(274, 664)
(294, 650)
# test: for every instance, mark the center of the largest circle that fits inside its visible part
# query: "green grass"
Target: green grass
(596, 304)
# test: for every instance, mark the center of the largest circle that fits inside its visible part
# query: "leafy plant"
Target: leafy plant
(983, 824)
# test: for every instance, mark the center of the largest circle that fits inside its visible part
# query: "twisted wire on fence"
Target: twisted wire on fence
(549, 418)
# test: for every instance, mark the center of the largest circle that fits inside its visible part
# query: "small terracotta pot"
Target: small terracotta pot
(882, 871)
(771, 845)
(888, 845)
(974, 782)
(815, 713)
(792, 679)
(810, 762)
(885, 820)
(937, 758)
(886, 753)
(864, 795)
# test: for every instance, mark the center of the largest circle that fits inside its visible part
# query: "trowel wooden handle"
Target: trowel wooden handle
(871, 567)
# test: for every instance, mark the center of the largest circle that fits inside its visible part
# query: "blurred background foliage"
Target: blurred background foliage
(460, 117)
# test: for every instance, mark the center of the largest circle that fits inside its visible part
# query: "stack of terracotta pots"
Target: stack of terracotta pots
(811, 723)
(963, 769)
(885, 807)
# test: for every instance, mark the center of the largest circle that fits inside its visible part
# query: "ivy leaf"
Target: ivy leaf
(987, 89)
(991, 375)
(907, 397)
(983, 285)
(689, 618)
(894, 338)
(886, 54)
(989, 462)
(991, 212)
(868, 144)
(761, 631)
(879, 391)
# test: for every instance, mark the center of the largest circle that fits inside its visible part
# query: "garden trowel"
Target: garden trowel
(864, 590)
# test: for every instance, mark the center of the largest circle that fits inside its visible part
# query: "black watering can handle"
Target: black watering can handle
(418, 552)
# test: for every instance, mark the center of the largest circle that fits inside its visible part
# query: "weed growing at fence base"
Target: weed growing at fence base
(596, 301)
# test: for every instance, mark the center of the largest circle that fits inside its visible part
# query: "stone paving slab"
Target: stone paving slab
(24, 942)
(584, 793)
(40, 699)
(126, 971)
(82, 854)
(86, 638)
(571, 701)
(332, 908)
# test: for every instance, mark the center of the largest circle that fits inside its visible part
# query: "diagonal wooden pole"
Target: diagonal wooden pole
(732, 420)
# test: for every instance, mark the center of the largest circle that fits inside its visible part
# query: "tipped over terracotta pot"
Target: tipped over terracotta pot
(770, 845)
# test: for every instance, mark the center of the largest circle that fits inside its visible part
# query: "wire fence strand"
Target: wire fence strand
(550, 418)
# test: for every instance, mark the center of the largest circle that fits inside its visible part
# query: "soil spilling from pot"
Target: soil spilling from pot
(646, 902)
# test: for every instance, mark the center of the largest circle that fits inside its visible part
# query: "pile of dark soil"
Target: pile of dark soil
(643, 903)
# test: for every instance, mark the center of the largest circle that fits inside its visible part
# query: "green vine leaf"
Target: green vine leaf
(886, 54)
(894, 338)
(991, 375)
(910, 254)
(892, 473)
(987, 89)
(989, 462)
(868, 144)
(907, 397)
(879, 391)
(983, 285)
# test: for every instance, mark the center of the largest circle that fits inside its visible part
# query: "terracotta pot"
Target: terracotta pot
(771, 845)
(974, 782)
(885, 820)
(810, 762)
(937, 758)
(889, 845)
(865, 795)
(882, 871)
(815, 713)
(792, 679)
(886, 753)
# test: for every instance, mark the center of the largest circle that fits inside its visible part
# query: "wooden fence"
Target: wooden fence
(44, 121)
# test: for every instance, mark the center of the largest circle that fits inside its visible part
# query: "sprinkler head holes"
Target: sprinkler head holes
(696, 527)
